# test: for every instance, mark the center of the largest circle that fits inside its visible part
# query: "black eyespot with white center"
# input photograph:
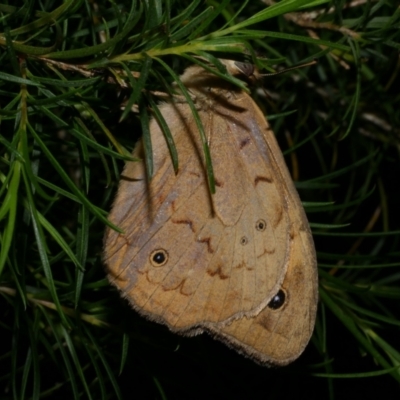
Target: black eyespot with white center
(278, 300)
(244, 240)
(158, 258)
(261, 225)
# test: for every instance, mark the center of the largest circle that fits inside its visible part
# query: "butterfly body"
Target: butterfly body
(197, 261)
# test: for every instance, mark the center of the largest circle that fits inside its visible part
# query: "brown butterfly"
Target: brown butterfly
(240, 263)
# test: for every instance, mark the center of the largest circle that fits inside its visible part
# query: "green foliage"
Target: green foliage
(76, 84)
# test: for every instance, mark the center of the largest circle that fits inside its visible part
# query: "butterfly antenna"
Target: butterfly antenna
(290, 68)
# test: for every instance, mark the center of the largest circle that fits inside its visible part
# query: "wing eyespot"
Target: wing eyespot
(158, 258)
(244, 240)
(261, 225)
(278, 300)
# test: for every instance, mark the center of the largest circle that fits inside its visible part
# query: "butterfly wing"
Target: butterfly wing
(196, 261)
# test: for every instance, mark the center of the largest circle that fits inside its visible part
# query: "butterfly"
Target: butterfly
(239, 264)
